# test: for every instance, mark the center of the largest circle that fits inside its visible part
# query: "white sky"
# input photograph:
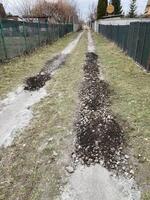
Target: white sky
(83, 5)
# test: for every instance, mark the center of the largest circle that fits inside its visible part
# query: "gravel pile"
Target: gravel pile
(100, 139)
(37, 82)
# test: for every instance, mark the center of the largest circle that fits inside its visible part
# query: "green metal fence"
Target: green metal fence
(133, 39)
(17, 37)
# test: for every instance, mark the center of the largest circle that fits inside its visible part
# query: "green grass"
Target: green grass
(14, 73)
(130, 102)
(29, 170)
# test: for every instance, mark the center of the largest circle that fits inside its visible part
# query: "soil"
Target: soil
(36, 82)
(99, 136)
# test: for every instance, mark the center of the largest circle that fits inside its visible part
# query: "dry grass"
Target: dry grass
(131, 103)
(13, 73)
(30, 169)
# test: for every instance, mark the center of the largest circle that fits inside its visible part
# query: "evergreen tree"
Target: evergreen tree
(101, 8)
(133, 7)
(118, 7)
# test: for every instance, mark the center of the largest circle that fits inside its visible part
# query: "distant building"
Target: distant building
(41, 19)
(147, 10)
(14, 18)
(2, 11)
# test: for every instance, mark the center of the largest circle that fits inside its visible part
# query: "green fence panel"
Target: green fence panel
(141, 41)
(133, 38)
(18, 37)
(43, 33)
(3, 51)
(13, 36)
(32, 35)
(145, 59)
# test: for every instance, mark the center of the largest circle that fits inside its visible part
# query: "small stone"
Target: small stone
(49, 162)
(96, 143)
(51, 139)
(55, 153)
(126, 156)
(139, 156)
(126, 174)
(70, 169)
(131, 172)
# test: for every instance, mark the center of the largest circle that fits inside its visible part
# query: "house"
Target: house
(41, 19)
(147, 10)
(2, 11)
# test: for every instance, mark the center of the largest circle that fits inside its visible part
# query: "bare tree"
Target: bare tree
(62, 11)
(24, 7)
(4, 2)
(92, 12)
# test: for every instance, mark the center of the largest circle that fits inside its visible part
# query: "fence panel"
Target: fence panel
(3, 53)
(13, 38)
(145, 59)
(140, 46)
(17, 37)
(133, 38)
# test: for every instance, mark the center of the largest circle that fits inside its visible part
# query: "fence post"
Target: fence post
(24, 34)
(47, 28)
(53, 31)
(39, 32)
(3, 39)
(142, 49)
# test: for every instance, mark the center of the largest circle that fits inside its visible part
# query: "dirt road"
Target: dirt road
(59, 139)
(101, 167)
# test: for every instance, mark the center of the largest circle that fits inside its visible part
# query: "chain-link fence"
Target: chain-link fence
(133, 38)
(17, 37)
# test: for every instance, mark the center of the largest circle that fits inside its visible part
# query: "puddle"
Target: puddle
(97, 183)
(16, 112)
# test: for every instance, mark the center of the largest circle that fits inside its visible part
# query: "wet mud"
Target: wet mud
(100, 138)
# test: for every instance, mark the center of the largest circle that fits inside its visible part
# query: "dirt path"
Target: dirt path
(73, 148)
(33, 167)
(101, 167)
(16, 109)
(13, 73)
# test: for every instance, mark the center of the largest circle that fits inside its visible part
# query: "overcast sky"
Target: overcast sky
(84, 5)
